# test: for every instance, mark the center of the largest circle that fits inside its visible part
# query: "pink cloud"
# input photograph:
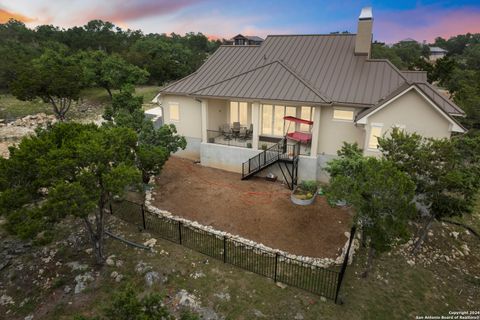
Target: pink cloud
(425, 23)
(6, 15)
(129, 10)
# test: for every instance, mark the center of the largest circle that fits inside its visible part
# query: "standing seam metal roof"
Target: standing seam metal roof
(303, 68)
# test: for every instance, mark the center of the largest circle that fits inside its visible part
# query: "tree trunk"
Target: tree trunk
(368, 267)
(422, 235)
(96, 233)
(97, 244)
(145, 177)
(109, 92)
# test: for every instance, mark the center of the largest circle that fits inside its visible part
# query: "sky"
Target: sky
(393, 20)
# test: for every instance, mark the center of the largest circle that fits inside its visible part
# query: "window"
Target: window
(278, 120)
(305, 114)
(343, 114)
(273, 122)
(174, 111)
(375, 132)
(267, 115)
(238, 112)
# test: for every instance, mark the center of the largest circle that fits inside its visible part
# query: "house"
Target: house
(436, 53)
(241, 40)
(318, 90)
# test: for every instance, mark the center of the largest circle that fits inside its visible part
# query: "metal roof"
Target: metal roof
(415, 76)
(437, 49)
(302, 68)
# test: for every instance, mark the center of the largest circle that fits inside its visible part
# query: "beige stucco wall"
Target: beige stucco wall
(190, 123)
(415, 113)
(332, 133)
(218, 111)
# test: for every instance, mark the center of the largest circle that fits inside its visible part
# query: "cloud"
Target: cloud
(6, 15)
(425, 23)
(130, 10)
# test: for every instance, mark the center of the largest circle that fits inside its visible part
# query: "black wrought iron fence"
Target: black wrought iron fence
(304, 275)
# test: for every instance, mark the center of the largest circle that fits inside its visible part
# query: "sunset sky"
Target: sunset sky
(393, 20)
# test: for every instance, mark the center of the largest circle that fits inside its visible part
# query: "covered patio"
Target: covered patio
(259, 125)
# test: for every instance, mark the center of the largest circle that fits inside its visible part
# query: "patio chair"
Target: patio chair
(242, 134)
(250, 131)
(226, 132)
(236, 129)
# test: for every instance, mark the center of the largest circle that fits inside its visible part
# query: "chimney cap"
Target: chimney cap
(366, 14)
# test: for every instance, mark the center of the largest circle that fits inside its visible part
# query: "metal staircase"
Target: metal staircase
(282, 153)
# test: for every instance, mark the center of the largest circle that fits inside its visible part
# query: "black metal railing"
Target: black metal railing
(294, 272)
(280, 150)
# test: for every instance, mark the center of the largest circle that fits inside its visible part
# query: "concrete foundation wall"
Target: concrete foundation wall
(225, 157)
(192, 151)
(322, 161)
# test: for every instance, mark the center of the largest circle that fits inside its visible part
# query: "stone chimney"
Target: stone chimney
(363, 40)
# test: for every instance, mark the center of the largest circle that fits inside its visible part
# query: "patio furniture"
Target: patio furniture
(242, 134)
(236, 129)
(250, 131)
(302, 137)
(226, 132)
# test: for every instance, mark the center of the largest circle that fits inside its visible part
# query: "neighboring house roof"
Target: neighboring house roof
(319, 69)
(437, 49)
(408, 40)
(253, 38)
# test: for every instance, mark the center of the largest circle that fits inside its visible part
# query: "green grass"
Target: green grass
(94, 98)
(12, 108)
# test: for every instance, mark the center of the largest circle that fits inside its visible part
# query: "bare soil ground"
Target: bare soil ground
(254, 209)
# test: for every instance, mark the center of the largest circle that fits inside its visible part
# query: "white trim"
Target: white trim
(454, 126)
(373, 125)
(156, 98)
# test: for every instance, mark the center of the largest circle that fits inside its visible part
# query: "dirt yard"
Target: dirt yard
(254, 209)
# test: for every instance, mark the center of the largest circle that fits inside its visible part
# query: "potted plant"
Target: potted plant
(264, 146)
(304, 194)
(249, 145)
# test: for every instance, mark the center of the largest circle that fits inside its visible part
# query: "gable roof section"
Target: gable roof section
(362, 116)
(440, 100)
(324, 64)
(415, 76)
(272, 81)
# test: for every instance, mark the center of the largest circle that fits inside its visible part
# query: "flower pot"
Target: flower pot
(302, 202)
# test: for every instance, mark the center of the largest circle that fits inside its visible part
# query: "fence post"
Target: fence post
(224, 249)
(180, 231)
(344, 264)
(143, 217)
(276, 266)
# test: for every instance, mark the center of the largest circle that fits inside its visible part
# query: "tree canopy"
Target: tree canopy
(163, 57)
(55, 77)
(381, 195)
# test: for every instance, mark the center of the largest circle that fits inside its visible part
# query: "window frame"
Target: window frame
(343, 109)
(272, 118)
(170, 104)
(374, 125)
(238, 103)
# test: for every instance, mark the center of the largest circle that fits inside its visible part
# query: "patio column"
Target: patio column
(315, 130)
(256, 124)
(204, 120)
